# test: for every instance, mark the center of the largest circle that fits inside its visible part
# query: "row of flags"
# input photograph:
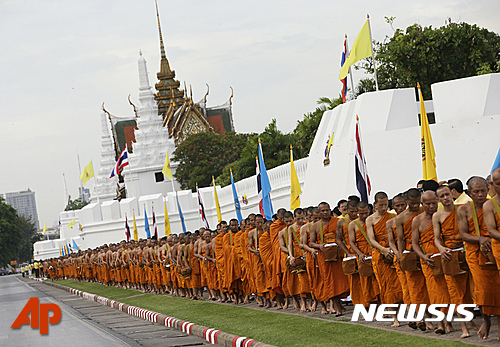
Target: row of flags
(68, 248)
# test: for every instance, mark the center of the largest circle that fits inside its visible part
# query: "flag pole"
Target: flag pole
(373, 53)
(350, 71)
(198, 198)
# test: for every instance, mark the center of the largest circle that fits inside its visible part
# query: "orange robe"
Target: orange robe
(249, 276)
(258, 267)
(333, 280)
(274, 229)
(400, 273)
(436, 285)
(486, 277)
(415, 279)
(357, 296)
(304, 286)
(195, 269)
(219, 256)
(203, 269)
(390, 287)
(291, 284)
(266, 254)
(369, 284)
(495, 244)
(232, 267)
(312, 265)
(212, 281)
(458, 286)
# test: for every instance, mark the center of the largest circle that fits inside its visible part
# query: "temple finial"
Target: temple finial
(162, 47)
(206, 94)
(231, 97)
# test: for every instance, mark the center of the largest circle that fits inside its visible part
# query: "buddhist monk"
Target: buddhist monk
(478, 247)
(383, 256)
(351, 214)
(492, 214)
(423, 241)
(415, 278)
(447, 239)
(359, 242)
(259, 269)
(265, 246)
(311, 256)
(212, 280)
(219, 255)
(232, 267)
(334, 284)
(277, 273)
(199, 252)
(295, 251)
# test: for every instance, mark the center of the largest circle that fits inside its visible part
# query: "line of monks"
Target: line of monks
(422, 249)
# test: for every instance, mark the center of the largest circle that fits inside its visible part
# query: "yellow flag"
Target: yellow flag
(44, 228)
(296, 191)
(135, 228)
(167, 171)
(428, 154)
(217, 206)
(87, 173)
(60, 251)
(361, 48)
(168, 231)
(72, 223)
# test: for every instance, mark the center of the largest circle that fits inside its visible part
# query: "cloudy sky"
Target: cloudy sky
(59, 60)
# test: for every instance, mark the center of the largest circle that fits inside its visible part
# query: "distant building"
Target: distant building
(84, 193)
(25, 204)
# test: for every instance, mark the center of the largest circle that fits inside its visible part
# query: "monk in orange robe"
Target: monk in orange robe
(358, 240)
(220, 257)
(478, 244)
(423, 233)
(447, 238)
(212, 281)
(415, 279)
(492, 215)
(357, 296)
(290, 281)
(334, 284)
(277, 274)
(295, 251)
(232, 266)
(311, 257)
(248, 276)
(265, 247)
(258, 267)
(398, 205)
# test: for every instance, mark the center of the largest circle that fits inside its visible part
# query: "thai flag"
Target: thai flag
(344, 81)
(259, 186)
(121, 163)
(362, 180)
(154, 222)
(202, 211)
(127, 229)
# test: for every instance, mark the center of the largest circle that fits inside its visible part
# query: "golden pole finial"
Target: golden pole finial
(259, 139)
(367, 16)
(357, 118)
(418, 85)
(290, 147)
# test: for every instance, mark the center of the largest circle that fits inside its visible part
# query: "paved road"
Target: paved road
(83, 322)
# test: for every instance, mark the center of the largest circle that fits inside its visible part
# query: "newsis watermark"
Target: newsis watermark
(413, 312)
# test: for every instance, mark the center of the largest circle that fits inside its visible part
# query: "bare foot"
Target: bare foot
(314, 306)
(269, 304)
(484, 330)
(324, 310)
(395, 324)
(474, 326)
(449, 328)
(465, 334)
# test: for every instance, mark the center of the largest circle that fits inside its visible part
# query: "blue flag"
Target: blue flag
(496, 164)
(181, 216)
(236, 200)
(266, 187)
(75, 246)
(146, 223)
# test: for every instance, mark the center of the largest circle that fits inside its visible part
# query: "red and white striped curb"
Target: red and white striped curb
(213, 336)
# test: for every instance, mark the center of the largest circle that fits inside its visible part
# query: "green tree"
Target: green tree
(29, 237)
(205, 154)
(428, 55)
(10, 233)
(76, 204)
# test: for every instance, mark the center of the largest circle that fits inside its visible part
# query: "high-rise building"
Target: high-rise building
(25, 204)
(84, 193)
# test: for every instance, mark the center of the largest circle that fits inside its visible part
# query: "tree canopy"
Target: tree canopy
(202, 155)
(428, 55)
(76, 204)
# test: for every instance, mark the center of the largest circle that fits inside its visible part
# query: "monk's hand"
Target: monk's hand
(321, 247)
(446, 254)
(388, 253)
(485, 243)
(292, 261)
(314, 254)
(351, 255)
(361, 259)
(429, 261)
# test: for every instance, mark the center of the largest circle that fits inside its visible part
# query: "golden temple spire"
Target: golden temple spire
(162, 48)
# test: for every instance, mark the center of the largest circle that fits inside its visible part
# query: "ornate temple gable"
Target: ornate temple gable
(193, 123)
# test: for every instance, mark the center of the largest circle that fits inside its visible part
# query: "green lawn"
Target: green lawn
(269, 327)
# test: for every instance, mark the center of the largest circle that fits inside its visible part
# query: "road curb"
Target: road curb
(211, 335)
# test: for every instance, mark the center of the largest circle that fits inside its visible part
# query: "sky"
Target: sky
(60, 60)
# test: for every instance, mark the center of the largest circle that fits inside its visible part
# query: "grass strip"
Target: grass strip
(265, 326)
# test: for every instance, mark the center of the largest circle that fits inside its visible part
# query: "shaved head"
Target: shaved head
(476, 180)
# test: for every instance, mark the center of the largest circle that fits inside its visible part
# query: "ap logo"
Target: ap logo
(39, 316)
